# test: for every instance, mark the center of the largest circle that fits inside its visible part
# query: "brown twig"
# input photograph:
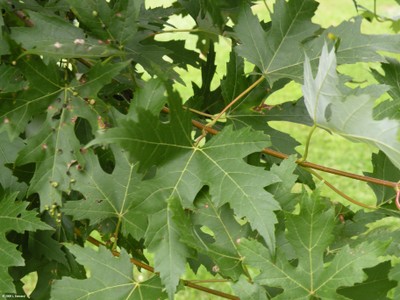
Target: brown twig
(306, 164)
(333, 171)
(240, 96)
(208, 290)
(24, 18)
(339, 192)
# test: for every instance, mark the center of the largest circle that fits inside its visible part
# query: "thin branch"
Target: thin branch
(333, 171)
(190, 30)
(307, 164)
(210, 291)
(197, 124)
(24, 18)
(200, 113)
(304, 157)
(209, 280)
(240, 96)
(339, 192)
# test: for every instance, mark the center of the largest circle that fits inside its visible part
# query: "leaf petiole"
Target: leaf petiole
(240, 96)
(308, 141)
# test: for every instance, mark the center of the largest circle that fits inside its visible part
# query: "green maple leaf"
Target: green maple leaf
(252, 112)
(223, 234)
(282, 190)
(310, 233)
(383, 168)
(9, 257)
(184, 168)
(8, 154)
(163, 239)
(376, 286)
(107, 195)
(352, 46)
(55, 148)
(52, 36)
(47, 276)
(121, 22)
(389, 108)
(230, 180)
(356, 46)
(249, 291)
(10, 219)
(274, 50)
(120, 19)
(279, 51)
(110, 278)
(44, 86)
(151, 98)
(194, 167)
(151, 57)
(11, 79)
(44, 245)
(14, 216)
(234, 82)
(339, 109)
(144, 136)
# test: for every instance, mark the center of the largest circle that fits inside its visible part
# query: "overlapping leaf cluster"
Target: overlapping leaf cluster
(97, 146)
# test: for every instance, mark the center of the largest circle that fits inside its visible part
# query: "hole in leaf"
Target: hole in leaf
(106, 159)
(83, 131)
(24, 173)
